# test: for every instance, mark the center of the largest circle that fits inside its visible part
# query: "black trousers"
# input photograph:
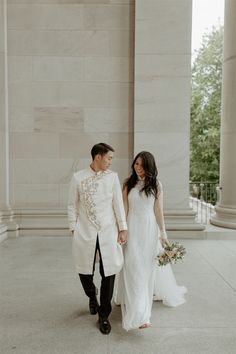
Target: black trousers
(107, 286)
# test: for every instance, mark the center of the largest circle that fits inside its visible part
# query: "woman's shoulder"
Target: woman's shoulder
(159, 186)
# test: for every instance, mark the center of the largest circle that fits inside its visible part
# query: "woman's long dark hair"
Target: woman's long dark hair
(150, 182)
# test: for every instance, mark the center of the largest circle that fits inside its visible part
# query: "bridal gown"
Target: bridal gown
(141, 280)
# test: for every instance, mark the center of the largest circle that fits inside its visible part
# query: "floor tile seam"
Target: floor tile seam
(217, 272)
(220, 243)
(233, 252)
(202, 257)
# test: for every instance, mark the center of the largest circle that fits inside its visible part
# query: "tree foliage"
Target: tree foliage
(206, 108)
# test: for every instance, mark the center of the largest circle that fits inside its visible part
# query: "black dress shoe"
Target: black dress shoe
(104, 325)
(93, 305)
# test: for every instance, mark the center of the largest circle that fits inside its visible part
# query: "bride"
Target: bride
(141, 281)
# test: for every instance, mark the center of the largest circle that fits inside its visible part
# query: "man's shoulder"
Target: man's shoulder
(80, 174)
(111, 172)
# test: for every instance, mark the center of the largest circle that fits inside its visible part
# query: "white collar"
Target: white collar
(98, 173)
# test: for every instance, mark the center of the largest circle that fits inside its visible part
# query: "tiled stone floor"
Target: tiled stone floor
(44, 311)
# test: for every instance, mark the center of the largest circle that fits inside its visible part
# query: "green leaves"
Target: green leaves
(206, 108)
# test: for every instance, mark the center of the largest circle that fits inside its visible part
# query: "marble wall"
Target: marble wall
(70, 86)
(85, 71)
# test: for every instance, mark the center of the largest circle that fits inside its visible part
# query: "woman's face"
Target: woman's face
(139, 168)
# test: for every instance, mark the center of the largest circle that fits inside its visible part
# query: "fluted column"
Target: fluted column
(225, 215)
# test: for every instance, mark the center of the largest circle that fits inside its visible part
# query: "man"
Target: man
(97, 220)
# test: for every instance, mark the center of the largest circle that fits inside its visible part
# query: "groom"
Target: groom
(97, 220)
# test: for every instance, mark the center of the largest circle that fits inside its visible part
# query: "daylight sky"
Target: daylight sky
(206, 13)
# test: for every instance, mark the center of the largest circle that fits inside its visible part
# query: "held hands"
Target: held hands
(122, 237)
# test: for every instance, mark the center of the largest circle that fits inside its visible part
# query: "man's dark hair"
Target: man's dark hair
(101, 149)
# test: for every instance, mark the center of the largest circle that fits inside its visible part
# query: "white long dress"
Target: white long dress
(141, 280)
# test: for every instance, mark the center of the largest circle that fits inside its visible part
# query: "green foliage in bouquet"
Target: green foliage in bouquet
(171, 254)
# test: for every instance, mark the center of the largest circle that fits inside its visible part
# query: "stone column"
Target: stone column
(3, 227)
(6, 215)
(162, 101)
(225, 215)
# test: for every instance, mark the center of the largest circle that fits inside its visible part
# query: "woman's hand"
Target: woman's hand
(164, 241)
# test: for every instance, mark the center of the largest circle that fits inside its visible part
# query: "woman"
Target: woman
(141, 280)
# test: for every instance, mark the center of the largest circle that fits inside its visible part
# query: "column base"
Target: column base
(224, 217)
(6, 223)
(8, 220)
(42, 222)
(53, 222)
(3, 232)
(182, 220)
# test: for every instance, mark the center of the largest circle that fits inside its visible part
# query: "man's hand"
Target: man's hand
(122, 237)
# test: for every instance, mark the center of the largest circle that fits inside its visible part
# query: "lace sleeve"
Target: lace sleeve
(158, 208)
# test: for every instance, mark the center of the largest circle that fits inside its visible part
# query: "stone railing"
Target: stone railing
(203, 198)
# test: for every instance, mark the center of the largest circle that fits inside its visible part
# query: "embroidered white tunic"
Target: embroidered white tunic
(95, 209)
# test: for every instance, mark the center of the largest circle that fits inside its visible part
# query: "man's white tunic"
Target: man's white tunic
(95, 209)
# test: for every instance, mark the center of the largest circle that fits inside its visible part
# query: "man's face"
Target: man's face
(105, 161)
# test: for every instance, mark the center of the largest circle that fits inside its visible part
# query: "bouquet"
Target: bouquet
(171, 254)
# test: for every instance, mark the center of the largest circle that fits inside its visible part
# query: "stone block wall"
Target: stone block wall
(70, 86)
